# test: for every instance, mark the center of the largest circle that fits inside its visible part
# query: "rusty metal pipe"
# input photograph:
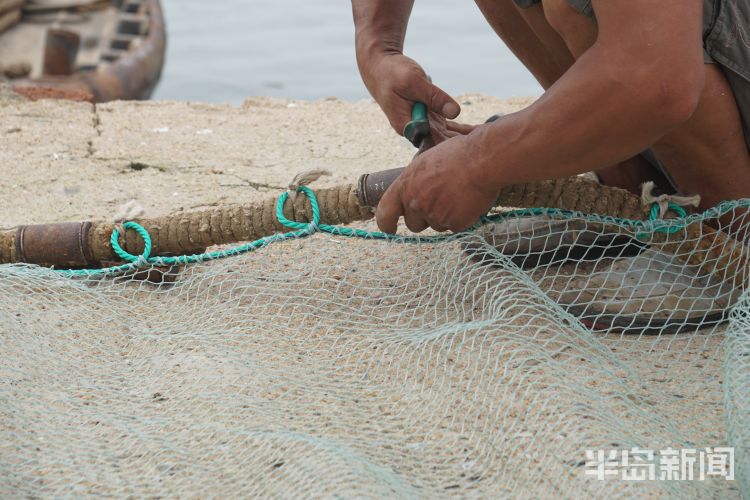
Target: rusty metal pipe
(65, 244)
(371, 187)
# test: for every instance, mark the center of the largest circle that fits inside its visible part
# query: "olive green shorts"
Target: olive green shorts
(726, 42)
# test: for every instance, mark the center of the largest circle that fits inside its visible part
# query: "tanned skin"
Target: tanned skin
(638, 80)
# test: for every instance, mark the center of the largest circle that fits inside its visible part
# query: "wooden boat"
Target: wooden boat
(103, 49)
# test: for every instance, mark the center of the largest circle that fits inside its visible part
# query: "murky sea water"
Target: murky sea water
(226, 50)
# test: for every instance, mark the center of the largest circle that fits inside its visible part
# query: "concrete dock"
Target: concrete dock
(64, 161)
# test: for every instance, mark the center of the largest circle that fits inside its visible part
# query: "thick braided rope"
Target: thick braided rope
(188, 233)
(8, 247)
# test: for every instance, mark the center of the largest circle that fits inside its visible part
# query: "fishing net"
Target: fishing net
(478, 365)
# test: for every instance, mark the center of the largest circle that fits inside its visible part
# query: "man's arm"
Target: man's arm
(380, 26)
(642, 78)
(395, 81)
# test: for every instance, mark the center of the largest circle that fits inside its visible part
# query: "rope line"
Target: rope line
(304, 229)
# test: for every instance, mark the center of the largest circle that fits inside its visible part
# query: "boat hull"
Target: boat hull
(127, 74)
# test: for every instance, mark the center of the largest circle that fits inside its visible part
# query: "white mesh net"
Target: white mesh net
(329, 366)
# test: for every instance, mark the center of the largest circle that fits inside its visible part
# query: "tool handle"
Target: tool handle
(372, 186)
(419, 127)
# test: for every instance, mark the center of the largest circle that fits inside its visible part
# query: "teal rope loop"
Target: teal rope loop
(654, 215)
(114, 240)
(303, 229)
(313, 206)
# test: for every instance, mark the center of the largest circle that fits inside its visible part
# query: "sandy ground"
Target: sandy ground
(69, 161)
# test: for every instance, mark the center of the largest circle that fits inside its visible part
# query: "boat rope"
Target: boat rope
(304, 229)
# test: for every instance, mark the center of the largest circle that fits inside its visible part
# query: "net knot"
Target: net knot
(304, 178)
(663, 203)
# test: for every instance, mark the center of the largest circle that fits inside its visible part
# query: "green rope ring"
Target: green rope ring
(654, 215)
(311, 226)
(115, 243)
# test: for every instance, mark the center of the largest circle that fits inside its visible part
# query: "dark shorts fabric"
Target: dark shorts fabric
(582, 6)
(726, 42)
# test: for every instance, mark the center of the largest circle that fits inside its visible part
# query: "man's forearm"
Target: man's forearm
(380, 25)
(614, 102)
(585, 122)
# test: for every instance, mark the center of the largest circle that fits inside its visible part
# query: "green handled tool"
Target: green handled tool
(417, 131)
(419, 126)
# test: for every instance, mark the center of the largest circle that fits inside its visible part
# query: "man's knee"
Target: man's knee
(575, 27)
(560, 15)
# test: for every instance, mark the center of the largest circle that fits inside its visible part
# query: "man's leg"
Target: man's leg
(708, 154)
(529, 36)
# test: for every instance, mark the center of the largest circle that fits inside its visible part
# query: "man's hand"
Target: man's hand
(395, 81)
(442, 188)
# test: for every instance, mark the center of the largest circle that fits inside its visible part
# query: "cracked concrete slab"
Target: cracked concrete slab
(70, 161)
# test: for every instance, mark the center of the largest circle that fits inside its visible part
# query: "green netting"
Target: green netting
(480, 365)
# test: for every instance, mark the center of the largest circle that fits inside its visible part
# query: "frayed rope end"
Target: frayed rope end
(127, 212)
(648, 199)
(303, 179)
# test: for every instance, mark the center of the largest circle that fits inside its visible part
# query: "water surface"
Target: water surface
(226, 50)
